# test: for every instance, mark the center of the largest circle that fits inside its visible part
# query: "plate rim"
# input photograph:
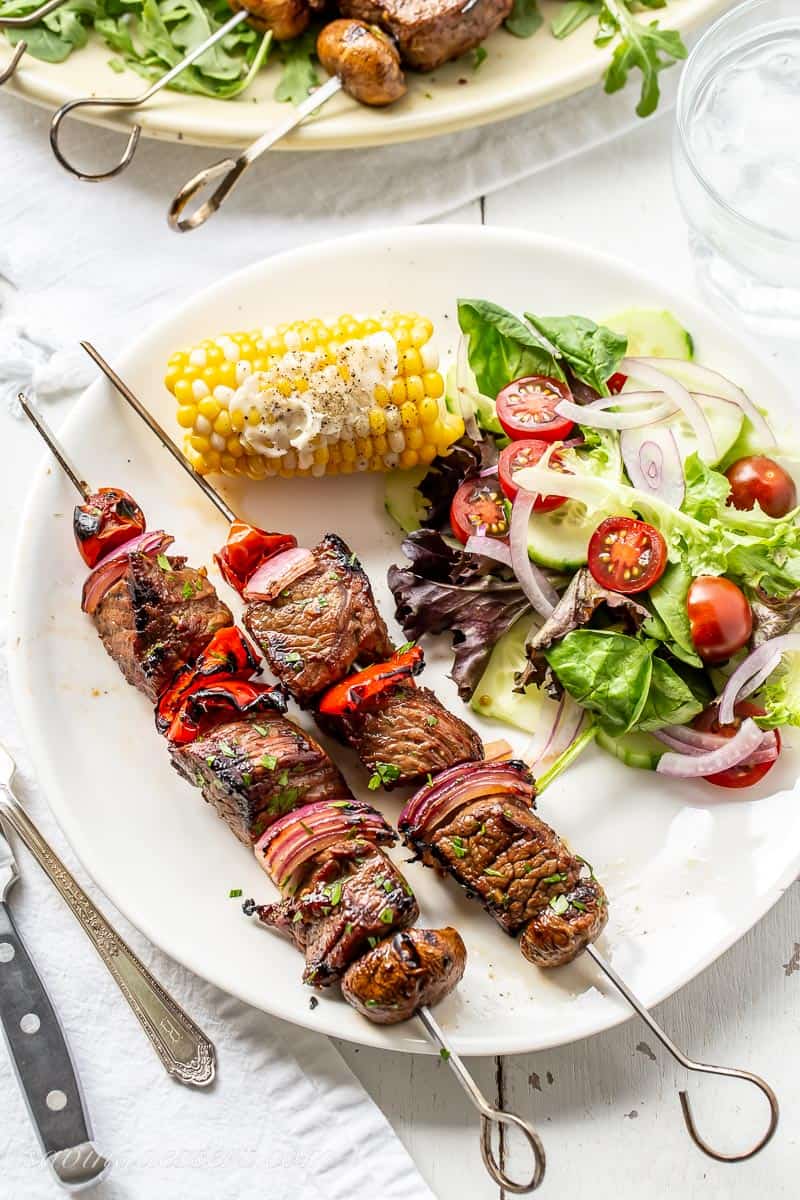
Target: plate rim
(47, 779)
(175, 122)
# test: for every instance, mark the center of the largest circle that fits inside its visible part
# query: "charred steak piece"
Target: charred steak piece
(499, 849)
(321, 624)
(353, 897)
(415, 967)
(408, 729)
(430, 32)
(158, 617)
(255, 770)
(559, 932)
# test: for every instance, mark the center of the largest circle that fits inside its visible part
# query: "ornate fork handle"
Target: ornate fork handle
(182, 1047)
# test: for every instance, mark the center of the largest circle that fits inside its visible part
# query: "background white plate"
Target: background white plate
(519, 74)
(688, 868)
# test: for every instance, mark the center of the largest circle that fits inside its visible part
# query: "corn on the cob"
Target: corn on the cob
(314, 398)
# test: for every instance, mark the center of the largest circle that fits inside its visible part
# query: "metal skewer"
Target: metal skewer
(489, 1114)
(25, 22)
(427, 1018)
(113, 102)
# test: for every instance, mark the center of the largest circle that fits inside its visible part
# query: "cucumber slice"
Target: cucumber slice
(495, 696)
(653, 334)
(402, 501)
(634, 749)
(724, 417)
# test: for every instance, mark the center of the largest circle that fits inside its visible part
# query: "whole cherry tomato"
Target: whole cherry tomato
(720, 617)
(626, 555)
(743, 775)
(527, 408)
(107, 519)
(518, 455)
(760, 479)
(478, 507)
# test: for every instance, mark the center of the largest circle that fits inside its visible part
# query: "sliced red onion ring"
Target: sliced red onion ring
(745, 742)
(541, 594)
(452, 789)
(749, 675)
(640, 400)
(487, 471)
(653, 462)
(702, 379)
(467, 390)
(301, 834)
(111, 568)
(489, 547)
(278, 572)
(598, 418)
(565, 728)
(645, 371)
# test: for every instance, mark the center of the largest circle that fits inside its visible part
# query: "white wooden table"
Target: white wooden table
(607, 1108)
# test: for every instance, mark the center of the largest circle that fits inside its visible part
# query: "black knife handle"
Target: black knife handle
(43, 1064)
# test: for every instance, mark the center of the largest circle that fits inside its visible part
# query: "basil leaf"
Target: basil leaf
(608, 673)
(592, 351)
(524, 19)
(670, 700)
(501, 347)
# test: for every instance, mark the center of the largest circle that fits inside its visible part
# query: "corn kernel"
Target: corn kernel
(209, 407)
(410, 362)
(408, 459)
(398, 391)
(377, 421)
(321, 455)
(426, 453)
(428, 411)
(415, 389)
(237, 421)
(433, 384)
(234, 447)
(185, 416)
(201, 444)
(222, 425)
(382, 396)
(228, 464)
(415, 438)
(381, 445)
(348, 452)
(408, 415)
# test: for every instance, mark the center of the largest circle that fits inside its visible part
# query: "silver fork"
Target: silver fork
(185, 1051)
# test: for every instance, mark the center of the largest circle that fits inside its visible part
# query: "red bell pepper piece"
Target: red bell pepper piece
(228, 655)
(107, 519)
(349, 695)
(208, 703)
(246, 549)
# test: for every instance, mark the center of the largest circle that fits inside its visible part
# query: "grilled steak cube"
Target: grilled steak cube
(500, 850)
(430, 32)
(405, 734)
(321, 624)
(415, 967)
(559, 932)
(353, 897)
(157, 618)
(256, 769)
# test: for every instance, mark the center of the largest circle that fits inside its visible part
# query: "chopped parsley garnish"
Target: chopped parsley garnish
(322, 603)
(459, 849)
(372, 941)
(370, 1003)
(307, 828)
(406, 646)
(482, 830)
(495, 874)
(297, 918)
(431, 720)
(283, 778)
(210, 760)
(341, 804)
(268, 761)
(386, 915)
(234, 893)
(247, 778)
(334, 891)
(444, 1054)
(198, 778)
(559, 904)
(294, 659)
(227, 750)
(388, 886)
(164, 563)
(352, 560)
(187, 591)
(348, 927)
(264, 730)
(587, 864)
(577, 904)
(384, 773)
(284, 801)
(559, 877)
(429, 780)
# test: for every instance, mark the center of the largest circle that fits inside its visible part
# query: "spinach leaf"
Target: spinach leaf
(524, 19)
(592, 351)
(608, 673)
(668, 597)
(670, 700)
(647, 48)
(501, 347)
(299, 73)
(572, 15)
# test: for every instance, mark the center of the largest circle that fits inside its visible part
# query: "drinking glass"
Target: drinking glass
(736, 159)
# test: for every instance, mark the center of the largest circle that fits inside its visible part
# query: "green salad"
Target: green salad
(617, 532)
(150, 36)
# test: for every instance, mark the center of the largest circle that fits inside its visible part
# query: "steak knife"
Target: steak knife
(40, 1053)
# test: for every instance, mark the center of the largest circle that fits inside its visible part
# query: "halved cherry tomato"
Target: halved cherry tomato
(626, 555)
(616, 383)
(720, 618)
(518, 455)
(743, 775)
(107, 519)
(758, 478)
(478, 507)
(527, 407)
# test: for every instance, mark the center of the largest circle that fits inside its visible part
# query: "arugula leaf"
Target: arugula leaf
(479, 56)
(299, 74)
(524, 19)
(592, 351)
(608, 673)
(647, 48)
(668, 597)
(572, 15)
(501, 347)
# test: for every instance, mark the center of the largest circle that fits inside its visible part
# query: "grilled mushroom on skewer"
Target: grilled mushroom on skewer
(330, 945)
(416, 967)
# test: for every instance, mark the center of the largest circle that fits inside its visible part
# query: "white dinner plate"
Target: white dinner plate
(518, 75)
(688, 867)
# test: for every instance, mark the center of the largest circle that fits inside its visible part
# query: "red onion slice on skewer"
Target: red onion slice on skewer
(452, 789)
(278, 572)
(302, 834)
(111, 568)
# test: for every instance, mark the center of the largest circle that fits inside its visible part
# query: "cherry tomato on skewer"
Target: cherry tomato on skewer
(762, 480)
(518, 455)
(626, 555)
(479, 508)
(527, 408)
(720, 617)
(743, 775)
